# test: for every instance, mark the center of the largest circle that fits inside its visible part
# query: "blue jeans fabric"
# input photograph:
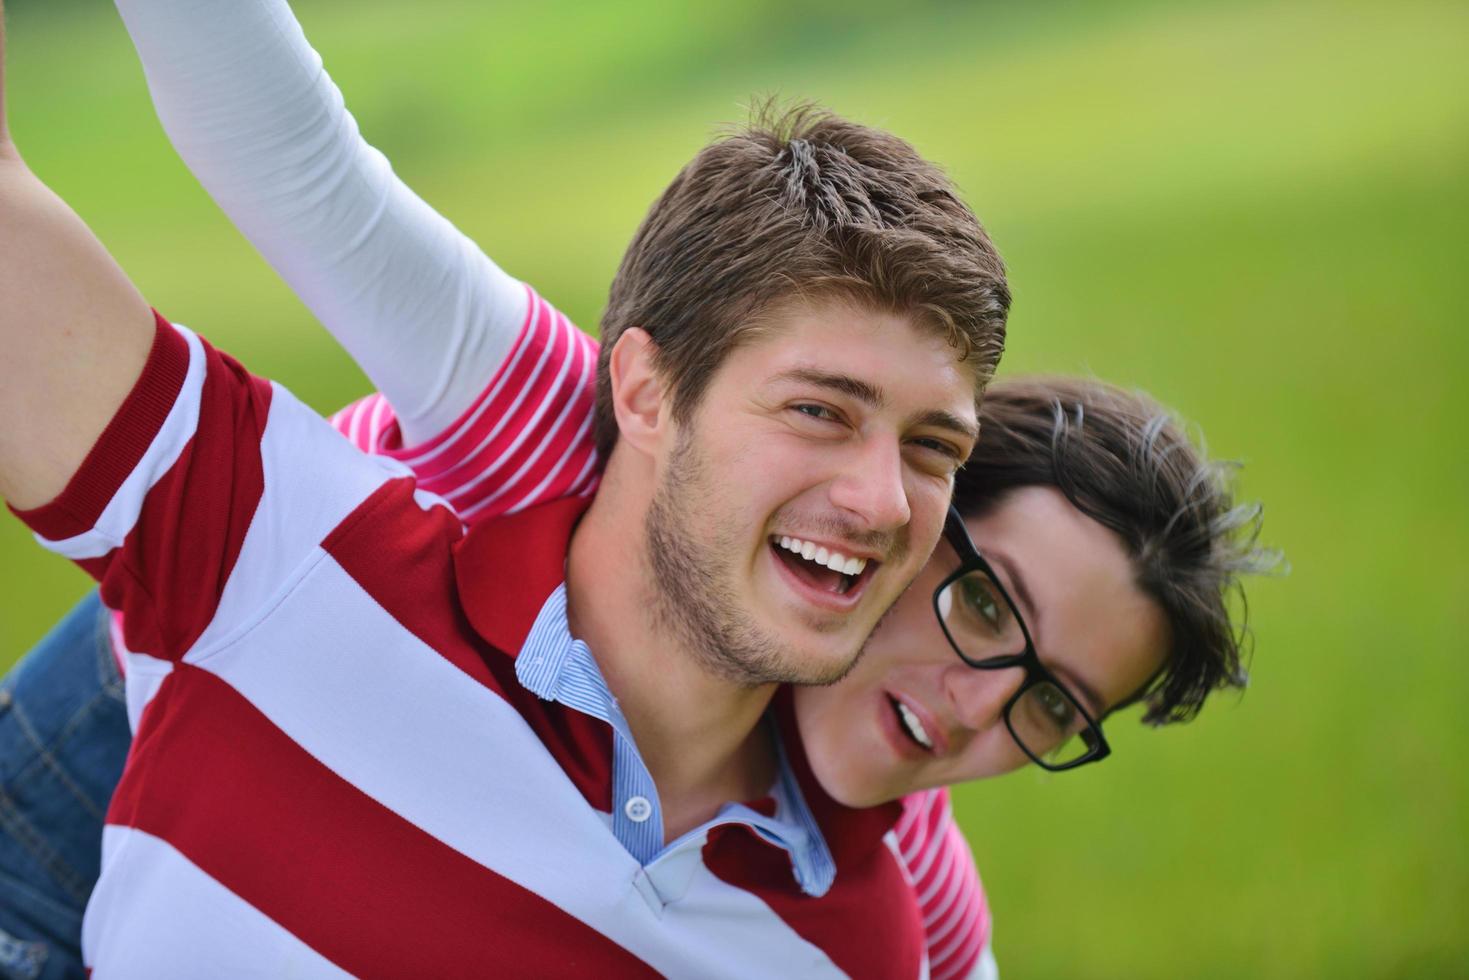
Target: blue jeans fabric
(63, 740)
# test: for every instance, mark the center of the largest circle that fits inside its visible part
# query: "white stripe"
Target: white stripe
(381, 414)
(467, 427)
(428, 500)
(956, 914)
(912, 828)
(985, 967)
(149, 671)
(525, 419)
(580, 443)
(313, 479)
(194, 926)
(934, 847)
(144, 675)
(945, 870)
(121, 512)
(741, 936)
(354, 429)
(890, 839)
(586, 481)
(545, 434)
(961, 944)
(470, 772)
(933, 912)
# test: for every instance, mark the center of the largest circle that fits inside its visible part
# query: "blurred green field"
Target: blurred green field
(1253, 210)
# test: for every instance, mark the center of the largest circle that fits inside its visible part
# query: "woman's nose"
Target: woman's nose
(978, 697)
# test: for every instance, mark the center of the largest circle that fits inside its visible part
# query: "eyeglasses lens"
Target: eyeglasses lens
(1050, 724)
(978, 618)
(983, 625)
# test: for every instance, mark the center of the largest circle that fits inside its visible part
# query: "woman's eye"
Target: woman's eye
(982, 601)
(1059, 709)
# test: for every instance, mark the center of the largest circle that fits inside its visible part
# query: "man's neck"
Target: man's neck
(698, 733)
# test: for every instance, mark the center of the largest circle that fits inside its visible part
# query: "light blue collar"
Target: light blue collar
(556, 666)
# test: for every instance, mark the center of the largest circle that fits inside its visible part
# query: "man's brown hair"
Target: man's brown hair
(1125, 461)
(799, 204)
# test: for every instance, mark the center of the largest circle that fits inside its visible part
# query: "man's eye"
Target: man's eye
(816, 411)
(938, 446)
(937, 456)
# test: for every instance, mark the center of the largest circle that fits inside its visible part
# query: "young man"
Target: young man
(346, 672)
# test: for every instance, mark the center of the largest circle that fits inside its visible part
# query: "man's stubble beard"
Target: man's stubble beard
(693, 586)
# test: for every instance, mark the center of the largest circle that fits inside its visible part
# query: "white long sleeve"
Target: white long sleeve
(251, 111)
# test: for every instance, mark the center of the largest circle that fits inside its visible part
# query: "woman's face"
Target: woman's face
(1090, 623)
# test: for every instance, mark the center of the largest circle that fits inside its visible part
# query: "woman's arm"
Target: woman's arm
(956, 915)
(251, 111)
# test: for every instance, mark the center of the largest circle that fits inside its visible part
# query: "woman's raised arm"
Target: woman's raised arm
(248, 106)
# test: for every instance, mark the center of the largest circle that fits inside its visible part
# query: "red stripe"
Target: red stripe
(122, 444)
(538, 392)
(365, 888)
(420, 589)
(560, 452)
(509, 381)
(867, 924)
(194, 520)
(553, 440)
(192, 524)
(956, 939)
(562, 464)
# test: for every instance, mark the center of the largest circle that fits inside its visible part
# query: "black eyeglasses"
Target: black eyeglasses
(986, 629)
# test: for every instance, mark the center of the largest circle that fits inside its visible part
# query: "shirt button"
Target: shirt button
(638, 809)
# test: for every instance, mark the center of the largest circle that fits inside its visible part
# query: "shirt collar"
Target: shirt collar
(556, 667)
(509, 567)
(851, 833)
(505, 569)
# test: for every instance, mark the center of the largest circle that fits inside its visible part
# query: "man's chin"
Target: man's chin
(821, 664)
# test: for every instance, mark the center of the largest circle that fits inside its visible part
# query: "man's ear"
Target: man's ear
(638, 393)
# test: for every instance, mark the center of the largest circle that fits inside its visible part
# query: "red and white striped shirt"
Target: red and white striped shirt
(417, 303)
(527, 440)
(339, 773)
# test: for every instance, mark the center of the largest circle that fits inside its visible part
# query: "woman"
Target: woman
(1123, 601)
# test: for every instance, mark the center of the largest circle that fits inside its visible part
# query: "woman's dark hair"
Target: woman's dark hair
(1125, 461)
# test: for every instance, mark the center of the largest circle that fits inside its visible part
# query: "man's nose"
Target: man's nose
(978, 697)
(871, 485)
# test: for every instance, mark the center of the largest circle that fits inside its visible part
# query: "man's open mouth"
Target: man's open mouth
(821, 567)
(910, 725)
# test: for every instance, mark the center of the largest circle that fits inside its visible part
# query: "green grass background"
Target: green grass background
(1253, 210)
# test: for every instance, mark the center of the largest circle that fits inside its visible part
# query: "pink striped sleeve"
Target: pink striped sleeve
(956, 915)
(527, 439)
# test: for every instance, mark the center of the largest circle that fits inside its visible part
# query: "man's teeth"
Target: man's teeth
(915, 727)
(833, 560)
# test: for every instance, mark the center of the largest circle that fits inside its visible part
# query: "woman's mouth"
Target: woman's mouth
(910, 724)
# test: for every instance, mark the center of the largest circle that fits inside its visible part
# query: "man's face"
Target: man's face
(807, 490)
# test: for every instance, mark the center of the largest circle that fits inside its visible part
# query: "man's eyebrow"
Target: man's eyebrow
(1032, 617)
(863, 391)
(950, 421)
(870, 394)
